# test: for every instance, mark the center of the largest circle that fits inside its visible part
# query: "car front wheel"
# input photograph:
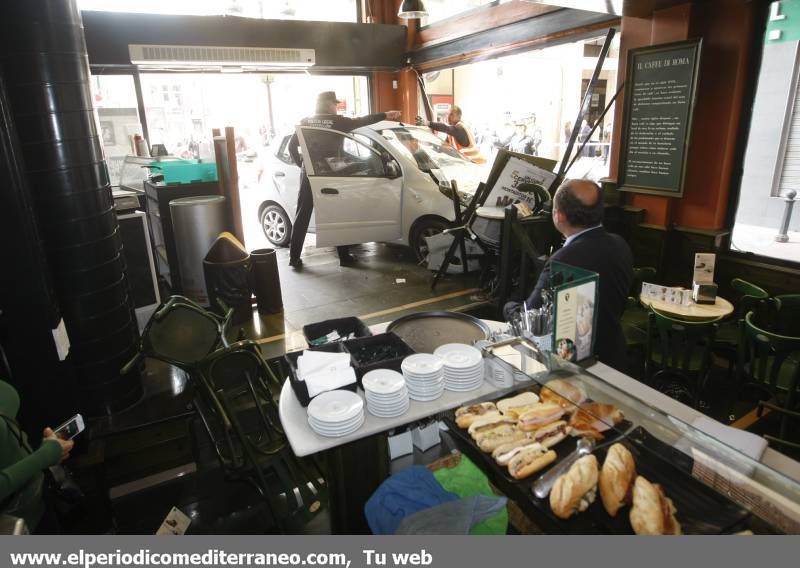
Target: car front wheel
(425, 228)
(276, 225)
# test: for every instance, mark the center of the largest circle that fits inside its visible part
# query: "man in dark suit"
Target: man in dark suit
(578, 215)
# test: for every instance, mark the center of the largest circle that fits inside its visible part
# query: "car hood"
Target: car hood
(467, 176)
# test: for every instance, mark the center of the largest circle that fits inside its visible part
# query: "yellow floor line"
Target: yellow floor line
(750, 418)
(388, 311)
(420, 303)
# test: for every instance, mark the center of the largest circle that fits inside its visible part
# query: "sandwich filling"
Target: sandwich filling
(506, 457)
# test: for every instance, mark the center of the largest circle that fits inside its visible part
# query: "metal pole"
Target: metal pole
(783, 236)
(137, 86)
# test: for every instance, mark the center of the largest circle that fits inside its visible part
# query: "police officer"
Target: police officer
(325, 117)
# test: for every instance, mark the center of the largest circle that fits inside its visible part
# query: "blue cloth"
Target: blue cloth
(403, 494)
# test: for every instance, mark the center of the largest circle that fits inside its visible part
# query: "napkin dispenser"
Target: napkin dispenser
(704, 293)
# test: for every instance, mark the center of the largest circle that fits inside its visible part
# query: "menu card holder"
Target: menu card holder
(575, 293)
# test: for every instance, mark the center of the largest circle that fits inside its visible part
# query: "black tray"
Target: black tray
(700, 509)
(299, 387)
(345, 326)
(353, 346)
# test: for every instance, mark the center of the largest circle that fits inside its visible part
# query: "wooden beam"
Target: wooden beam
(493, 50)
(478, 20)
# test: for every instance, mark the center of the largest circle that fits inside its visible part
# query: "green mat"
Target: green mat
(466, 480)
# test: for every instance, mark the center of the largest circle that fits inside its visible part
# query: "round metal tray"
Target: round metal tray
(425, 331)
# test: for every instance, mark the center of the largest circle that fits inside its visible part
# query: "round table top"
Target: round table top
(719, 309)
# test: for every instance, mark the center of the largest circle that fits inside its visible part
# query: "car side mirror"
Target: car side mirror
(393, 170)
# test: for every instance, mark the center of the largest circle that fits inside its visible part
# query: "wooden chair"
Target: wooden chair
(678, 351)
(787, 314)
(771, 363)
(748, 297)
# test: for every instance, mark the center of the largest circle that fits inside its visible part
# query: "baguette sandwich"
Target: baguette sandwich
(653, 512)
(574, 491)
(499, 436)
(551, 434)
(522, 399)
(467, 414)
(563, 392)
(616, 479)
(530, 459)
(487, 420)
(540, 414)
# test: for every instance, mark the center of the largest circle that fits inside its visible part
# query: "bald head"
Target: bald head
(577, 205)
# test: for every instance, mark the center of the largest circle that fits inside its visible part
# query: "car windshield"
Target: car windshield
(427, 150)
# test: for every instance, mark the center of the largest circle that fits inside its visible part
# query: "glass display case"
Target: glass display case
(714, 487)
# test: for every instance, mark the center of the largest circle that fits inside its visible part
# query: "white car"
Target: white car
(379, 183)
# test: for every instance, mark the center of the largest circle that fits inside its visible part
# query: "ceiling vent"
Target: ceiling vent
(210, 56)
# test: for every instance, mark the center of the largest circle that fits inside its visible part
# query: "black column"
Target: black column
(47, 77)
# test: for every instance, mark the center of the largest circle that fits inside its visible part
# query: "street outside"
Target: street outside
(761, 241)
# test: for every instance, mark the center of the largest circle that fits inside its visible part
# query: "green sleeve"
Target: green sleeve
(16, 475)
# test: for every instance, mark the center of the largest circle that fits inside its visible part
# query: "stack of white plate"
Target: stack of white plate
(463, 366)
(424, 376)
(386, 393)
(336, 413)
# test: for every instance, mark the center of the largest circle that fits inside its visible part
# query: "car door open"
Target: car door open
(356, 188)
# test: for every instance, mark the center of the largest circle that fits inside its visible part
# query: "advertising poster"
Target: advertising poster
(515, 173)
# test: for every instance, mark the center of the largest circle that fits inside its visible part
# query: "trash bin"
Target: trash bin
(228, 274)
(266, 281)
(196, 222)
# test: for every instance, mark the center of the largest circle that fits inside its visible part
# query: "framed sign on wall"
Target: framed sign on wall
(660, 93)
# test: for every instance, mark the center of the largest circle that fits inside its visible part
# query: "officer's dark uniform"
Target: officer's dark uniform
(305, 201)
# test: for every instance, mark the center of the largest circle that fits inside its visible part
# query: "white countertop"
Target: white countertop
(304, 441)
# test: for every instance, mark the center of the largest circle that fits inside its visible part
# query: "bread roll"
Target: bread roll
(652, 512)
(616, 478)
(522, 399)
(575, 490)
(467, 414)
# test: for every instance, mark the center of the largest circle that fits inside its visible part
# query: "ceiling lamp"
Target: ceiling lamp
(411, 9)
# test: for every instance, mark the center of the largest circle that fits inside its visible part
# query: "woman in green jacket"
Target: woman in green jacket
(21, 467)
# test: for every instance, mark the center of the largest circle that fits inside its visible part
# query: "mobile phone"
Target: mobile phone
(71, 427)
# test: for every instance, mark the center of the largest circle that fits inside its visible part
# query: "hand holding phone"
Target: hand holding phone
(71, 428)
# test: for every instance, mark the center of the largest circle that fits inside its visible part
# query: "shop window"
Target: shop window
(771, 168)
(521, 116)
(327, 11)
(334, 154)
(118, 118)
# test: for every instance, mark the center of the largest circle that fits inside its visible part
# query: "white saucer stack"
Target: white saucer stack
(386, 393)
(424, 376)
(336, 413)
(463, 366)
